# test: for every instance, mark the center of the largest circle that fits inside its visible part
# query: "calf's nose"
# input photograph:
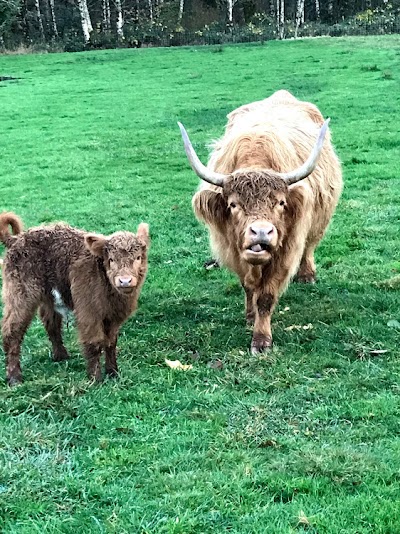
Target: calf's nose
(125, 281)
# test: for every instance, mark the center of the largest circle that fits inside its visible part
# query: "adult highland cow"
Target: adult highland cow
(265, 219)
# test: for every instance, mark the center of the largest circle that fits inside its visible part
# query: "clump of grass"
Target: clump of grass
(218, 49)
(387, 75)
(370, 68)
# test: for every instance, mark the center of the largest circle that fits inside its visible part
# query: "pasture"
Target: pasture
(304, 438)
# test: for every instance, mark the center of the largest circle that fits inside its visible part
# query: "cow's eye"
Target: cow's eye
(282, 203)
(232, 205)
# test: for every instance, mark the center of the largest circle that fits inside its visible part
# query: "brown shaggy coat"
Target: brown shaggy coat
(97, 277)
(274, 135)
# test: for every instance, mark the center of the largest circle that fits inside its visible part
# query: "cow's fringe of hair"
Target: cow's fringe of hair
(9, 219)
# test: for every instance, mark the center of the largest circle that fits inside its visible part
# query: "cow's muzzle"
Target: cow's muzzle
(260, 239)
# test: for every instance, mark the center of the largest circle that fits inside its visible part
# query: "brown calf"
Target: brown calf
(57, 266)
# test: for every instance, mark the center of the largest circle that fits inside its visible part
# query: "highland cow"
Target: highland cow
(55, 266)
(264, 218)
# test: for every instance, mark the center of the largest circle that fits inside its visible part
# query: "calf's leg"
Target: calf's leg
(92, 354)
(52, 322)
(17, 317)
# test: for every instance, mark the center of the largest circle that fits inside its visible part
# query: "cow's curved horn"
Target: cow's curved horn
(201, 170)
(307, 168)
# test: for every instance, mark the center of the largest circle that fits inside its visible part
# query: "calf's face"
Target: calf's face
(256, 210)
(124, 255)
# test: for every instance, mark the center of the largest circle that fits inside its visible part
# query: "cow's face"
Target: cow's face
(257, 205)
(124, 255)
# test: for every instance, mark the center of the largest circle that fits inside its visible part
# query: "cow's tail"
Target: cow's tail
(9, 219)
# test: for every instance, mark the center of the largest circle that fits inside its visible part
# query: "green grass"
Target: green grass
(306, 438)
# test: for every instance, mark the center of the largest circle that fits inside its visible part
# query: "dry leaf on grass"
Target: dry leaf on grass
(308, 326)
(176, 364)
(377, 352)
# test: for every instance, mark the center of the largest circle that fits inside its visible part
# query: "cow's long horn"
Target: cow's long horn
(307, 168)
(201, 170)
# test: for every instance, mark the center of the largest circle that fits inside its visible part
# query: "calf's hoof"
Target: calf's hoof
(260, 343)
(14, 380)
(61, 354)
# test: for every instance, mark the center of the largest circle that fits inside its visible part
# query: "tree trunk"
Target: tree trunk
(280, 18)
(181, 8)
(53, 18)
(106, 15)
(39, 17)
(317, 10)
(87, 27)
(150, 9)
(299, 16)
(120, 20)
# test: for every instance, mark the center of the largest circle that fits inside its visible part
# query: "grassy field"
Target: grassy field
(305, 438)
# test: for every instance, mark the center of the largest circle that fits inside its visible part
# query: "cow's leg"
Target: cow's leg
(265, 302)
(17, 317)
(52, 322)
(307, 271)
(249, 304)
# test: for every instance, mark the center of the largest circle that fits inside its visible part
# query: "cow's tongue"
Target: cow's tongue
(256, 248)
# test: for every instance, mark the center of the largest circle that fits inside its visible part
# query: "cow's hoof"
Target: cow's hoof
(260, 343)
(305, 278)
(211, 264)
(250, 317)
(60, 355)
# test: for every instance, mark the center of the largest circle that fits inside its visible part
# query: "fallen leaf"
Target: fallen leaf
(176, 364)
(303, 519)
(299, 327)
(376, 352)
(216, 364)
(393, 323)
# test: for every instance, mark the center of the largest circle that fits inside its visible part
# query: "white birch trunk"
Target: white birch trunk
(53, 18)
(181, 8)
(150, 10)
(87, 27)
(106, 15)
(120, 19)
(317, 10)
(39, 17)
(330, 7)
(282, 19)
(299, 16)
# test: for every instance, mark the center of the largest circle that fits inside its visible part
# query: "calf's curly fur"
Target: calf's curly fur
(98, 277)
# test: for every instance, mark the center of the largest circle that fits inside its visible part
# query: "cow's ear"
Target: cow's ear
(210, 206)
(295, 200)
(95, 244)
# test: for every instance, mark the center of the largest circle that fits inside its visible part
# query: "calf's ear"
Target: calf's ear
(95, 244)
(143, 232)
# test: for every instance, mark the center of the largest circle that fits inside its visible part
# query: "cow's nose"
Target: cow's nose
(262, 231)
(125, 281)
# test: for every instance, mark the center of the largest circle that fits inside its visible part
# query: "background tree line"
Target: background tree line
(78, 24)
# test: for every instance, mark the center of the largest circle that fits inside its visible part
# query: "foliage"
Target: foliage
(302, 439)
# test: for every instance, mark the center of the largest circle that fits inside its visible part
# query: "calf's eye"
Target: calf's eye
(282, 203)
(232, 205)
(139, 258)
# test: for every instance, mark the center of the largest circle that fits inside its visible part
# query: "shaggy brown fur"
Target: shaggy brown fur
(274, 135)
(97, 277)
